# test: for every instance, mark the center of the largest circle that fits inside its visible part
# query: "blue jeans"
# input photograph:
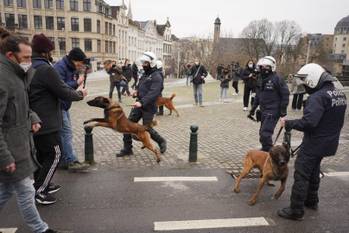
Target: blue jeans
(224, 91)
(197, 88)
(68, 154)
(25, 194)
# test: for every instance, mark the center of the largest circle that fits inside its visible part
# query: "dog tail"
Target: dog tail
(172, 96)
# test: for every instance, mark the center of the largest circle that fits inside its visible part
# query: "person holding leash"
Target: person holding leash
(322, 121)
(148, 90)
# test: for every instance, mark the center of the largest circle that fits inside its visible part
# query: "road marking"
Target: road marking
(8, 230)
(174, 178)
(210, 223)
(338, 174)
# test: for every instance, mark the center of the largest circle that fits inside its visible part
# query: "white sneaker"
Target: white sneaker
(245, 108)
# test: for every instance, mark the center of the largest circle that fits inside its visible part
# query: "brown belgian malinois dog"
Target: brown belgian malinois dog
(272, 166)
(168, 103)
(114, 118)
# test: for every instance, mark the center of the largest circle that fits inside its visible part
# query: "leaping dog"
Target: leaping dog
(114, 118)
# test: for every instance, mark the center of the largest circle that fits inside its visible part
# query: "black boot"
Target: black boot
(124, 152)
(160, 111)
(160, 140)
(311, 206)
(291, 214)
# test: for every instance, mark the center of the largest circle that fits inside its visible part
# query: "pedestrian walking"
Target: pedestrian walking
(249, 76)
(198, 73)
(17, 121)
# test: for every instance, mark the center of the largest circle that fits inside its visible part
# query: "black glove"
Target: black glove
(288, 126)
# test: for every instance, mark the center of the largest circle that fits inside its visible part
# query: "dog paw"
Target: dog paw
(276, 196)
(158, 161)
(236, 190)
(252, 202)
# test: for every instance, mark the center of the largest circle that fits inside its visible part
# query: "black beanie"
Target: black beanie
(76, 54)
(42, 44)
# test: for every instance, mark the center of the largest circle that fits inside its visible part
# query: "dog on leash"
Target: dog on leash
(272, 166)
(168, 103)
(114, 118)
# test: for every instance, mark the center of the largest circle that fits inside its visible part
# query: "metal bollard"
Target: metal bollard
(89, 154)
(193, 145)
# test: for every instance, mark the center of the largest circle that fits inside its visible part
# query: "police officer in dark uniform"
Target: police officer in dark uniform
(272, 98)
(148, 90)
(321, 123)
(161, 71)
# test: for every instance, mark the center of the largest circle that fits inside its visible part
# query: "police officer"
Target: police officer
(272, 98)
(147, 91)
(161, 71)
(321, 123)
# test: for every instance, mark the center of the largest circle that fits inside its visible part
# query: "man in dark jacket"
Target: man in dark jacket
(148, 90)
(115, 78)
(68, 69)
(134, 74)
(127, 73)
(198, 73)
(17, 153)
(46, 90)
(321, 123)
(249, 76)
(272, 99)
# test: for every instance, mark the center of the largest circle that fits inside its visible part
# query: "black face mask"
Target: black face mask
(309, 90)
(146, 68)
(265, 72)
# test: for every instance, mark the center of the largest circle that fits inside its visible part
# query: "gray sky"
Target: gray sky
(195, 17)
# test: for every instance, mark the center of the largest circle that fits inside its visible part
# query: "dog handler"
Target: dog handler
(272, 98)
(148, 90)
(321, 123)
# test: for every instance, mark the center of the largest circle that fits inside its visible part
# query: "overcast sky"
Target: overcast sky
(196, 17)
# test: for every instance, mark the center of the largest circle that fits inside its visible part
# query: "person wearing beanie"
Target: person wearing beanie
(46, 91)
(68, 69)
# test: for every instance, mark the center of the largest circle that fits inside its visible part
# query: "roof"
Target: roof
(161, 29)
(217, 21)
(343, 23)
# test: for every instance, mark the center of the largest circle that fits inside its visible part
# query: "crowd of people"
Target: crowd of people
(35, 124)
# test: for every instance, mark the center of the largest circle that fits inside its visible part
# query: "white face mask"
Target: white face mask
(25, 66)
(250, 66)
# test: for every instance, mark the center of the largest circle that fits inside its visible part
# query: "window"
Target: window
(106, 28)
(114, 47)
(87, 25)
(75, 42)
(8, 2)
(61, 45)
(344, 39)
(52, 39)
(21, 3)
(59, 4)
(10, 20)
(37, 22)
(100, 8)
(113, 29)
(60, 23)
(22, 21)
(106, 47)
(110, 29)
(88, 45)
(75, 24)
(36, 3)
(98, 46)
(48, 4)
(87, 5)
(98, 26)
(49, 23)
(74, 5)
(343, 45)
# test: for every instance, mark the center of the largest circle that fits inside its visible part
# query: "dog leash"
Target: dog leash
(278, 135)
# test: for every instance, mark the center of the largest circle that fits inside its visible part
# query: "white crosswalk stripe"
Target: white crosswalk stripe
(175, 178)
(210, 223)
(8, 230)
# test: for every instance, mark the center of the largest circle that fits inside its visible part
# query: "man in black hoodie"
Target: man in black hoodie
(46, 90)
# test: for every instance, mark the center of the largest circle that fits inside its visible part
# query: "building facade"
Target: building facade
(101, 30)
(341, 37)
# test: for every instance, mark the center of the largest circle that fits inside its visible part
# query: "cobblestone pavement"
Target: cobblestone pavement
(225, 134)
